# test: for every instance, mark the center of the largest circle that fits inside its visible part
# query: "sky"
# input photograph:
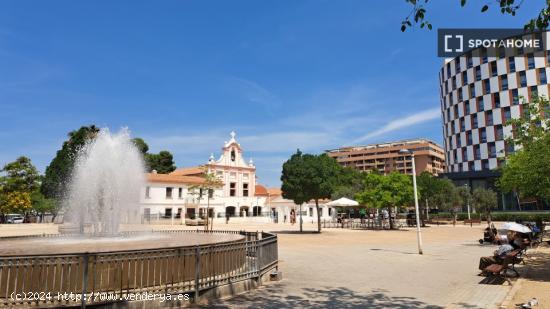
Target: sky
(284, 75)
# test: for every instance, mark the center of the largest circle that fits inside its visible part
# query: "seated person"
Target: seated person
(497, 257)
(519, 241)
(502, 240)
(489, 235)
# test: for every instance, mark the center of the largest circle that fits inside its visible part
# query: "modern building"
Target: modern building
(479, 94)
(386, 158)
(176, 195)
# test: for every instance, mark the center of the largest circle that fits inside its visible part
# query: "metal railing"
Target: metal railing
(48, 280)
(371, 224)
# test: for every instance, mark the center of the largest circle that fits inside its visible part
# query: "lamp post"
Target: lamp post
(468, 202)
(418, 233)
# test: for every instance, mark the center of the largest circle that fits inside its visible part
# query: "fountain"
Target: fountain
(105, 186)
(94, 255)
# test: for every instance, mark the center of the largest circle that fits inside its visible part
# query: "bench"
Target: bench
(472, 221)
(508, 263)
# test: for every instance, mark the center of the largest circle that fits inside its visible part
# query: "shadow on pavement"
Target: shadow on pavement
(274, 297)
(394, 251)
(295, 232)
(538, 264)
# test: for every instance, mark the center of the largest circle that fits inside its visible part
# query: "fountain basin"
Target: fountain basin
(166, 262)
(78, 244)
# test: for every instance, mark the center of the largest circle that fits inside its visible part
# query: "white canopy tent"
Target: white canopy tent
(343, 202)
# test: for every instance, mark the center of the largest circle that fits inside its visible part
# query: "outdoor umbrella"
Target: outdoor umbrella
(343, 202)
(516, 227)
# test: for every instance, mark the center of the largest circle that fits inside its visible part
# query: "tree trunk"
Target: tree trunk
(318, 216)
(454, 219)
(390, 218)
(300, 218)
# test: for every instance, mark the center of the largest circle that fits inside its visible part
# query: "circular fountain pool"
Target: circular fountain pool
(75, 244)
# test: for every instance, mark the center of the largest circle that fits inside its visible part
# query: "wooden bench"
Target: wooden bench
(472, 221)
(508, 263)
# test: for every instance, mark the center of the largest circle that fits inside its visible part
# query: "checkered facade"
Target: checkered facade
(478, 96)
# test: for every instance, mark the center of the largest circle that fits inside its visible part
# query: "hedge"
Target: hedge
(496, 216)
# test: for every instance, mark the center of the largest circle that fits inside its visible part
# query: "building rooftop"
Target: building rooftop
(189, 171)
(387, 144)
(169, 178)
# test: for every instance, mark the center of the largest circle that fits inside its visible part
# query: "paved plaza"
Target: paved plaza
(342, 268)
(377, 269)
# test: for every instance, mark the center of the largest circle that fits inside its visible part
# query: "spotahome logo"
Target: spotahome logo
(493, 42)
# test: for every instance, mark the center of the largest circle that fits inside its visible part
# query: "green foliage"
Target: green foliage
(527, 170)
(427, 185)
(534, 125)
(464, 194)
(20, 175)
(484, 200)
(496, 216)
(417, 15)
(163, 162)
(15, 201)
(381, 191)
(19, 179)
(447, 196)
(59, 171)
(349, 183)
(309, 177)
(141, 145)
(41, 204)
(211, 182)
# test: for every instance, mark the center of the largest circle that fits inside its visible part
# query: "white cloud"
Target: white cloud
(400, 123)
(254, 92)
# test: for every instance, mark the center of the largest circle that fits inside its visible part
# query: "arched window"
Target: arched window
(233, 155)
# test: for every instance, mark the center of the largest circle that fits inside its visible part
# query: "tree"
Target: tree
(211, 182)
(464, 194)
(42, 205)
(308, 177)
(15, 201)
(59, 171)
(485, 200)
(417, 16)
(526, 171)
(371, 195)
(20, 178)
(427, 189)
(349, 183)
(447, 197)
(21, 175)
(534, 125)
(393, 190)
(163, 162)
(141, 145)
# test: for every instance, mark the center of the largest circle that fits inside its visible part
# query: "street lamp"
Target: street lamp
(418, 234)
(468, 200)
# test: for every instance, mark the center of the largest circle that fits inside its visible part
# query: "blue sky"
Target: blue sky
(284, 75)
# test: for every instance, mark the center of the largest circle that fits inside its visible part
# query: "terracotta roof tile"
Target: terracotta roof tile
(260, 190)
(169, 178)
(188, 171)
(274, 191)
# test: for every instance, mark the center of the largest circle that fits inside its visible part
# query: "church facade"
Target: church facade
(177, 196)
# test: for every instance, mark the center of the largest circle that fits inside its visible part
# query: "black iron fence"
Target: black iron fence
(94, 278)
